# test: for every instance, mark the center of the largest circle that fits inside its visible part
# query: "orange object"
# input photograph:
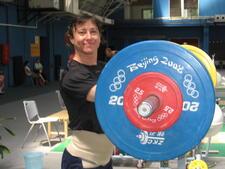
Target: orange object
(5, 54)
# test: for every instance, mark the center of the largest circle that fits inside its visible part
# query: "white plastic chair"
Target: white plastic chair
(33, 118)
(60, 99)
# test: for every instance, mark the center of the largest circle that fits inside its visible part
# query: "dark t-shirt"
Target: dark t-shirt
(74, 88)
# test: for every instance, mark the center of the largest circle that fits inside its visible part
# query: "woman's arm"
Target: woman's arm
(91, 94)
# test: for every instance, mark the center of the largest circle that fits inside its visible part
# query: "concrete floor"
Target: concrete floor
(46, 98)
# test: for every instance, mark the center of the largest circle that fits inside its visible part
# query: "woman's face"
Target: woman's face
(86, 38)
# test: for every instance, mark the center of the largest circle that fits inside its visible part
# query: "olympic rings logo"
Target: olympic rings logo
(162, 116)
(117, 81)
(190, 86)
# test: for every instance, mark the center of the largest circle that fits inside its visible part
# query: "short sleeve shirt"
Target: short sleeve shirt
(74, 88)
(28, 71)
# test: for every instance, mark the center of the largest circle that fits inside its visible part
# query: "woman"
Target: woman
(38, 69)
(90, 148)
(29, 74)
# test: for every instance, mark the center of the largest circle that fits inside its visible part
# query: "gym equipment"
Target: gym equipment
(205, 60)
(215, 127)
(145, 105)
(197, 164)
(155, 82)
(217, 122)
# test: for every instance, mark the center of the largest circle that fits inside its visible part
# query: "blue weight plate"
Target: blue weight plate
(191, 77)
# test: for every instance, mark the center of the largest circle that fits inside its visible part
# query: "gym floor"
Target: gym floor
(46, 98)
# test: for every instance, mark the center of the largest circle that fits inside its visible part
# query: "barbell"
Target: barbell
(205, 60)
(155, 100)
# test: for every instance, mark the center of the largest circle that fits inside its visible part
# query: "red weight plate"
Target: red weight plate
(153, 91)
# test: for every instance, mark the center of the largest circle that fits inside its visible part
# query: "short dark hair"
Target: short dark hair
(26, 63)
(77, 21)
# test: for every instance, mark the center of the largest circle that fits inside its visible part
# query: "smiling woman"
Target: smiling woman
(84, 37)
(89, 148)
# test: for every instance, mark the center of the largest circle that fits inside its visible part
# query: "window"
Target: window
(141, 9)
(190, 8)
(184, 8)
(175, 8)
(146, 13)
